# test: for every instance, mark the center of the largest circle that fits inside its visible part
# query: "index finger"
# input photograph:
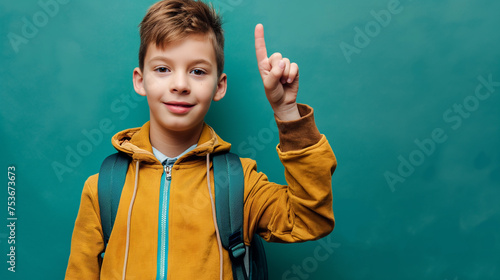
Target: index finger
(260, 43)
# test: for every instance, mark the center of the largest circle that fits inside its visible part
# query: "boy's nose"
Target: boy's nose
(180, 84)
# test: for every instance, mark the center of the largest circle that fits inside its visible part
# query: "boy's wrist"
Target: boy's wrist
(298, 134)
(287, 113)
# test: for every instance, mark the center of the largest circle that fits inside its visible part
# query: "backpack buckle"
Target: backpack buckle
(236, 245)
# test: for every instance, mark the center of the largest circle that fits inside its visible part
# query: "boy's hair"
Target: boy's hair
(172, 20)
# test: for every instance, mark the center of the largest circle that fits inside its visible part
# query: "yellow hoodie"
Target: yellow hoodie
(299, 211)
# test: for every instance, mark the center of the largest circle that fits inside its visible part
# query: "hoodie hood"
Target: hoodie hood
(135, 142)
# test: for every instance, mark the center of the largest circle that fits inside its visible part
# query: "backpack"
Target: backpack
(248, 262)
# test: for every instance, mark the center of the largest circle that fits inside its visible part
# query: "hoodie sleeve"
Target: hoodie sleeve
(301, 210)
(87, 241)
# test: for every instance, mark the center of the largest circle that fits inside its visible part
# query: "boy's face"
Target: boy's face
(180, 82)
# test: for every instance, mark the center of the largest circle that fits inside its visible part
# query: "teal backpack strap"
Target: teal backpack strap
(247, 263)
(229, 191)
(109, 189)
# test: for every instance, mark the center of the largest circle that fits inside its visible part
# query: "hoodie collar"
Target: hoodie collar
(135, 142)
(162, 158)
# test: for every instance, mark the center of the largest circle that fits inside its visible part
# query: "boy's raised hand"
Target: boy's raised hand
(280, 79)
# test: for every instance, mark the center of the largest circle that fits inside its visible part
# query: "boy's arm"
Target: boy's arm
(87, 241)
(301, 210)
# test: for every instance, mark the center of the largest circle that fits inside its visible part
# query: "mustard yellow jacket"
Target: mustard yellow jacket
(299, 211)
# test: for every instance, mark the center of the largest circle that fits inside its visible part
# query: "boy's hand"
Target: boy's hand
(280, 79)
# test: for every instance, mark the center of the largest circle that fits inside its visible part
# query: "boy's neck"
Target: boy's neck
(173, 143)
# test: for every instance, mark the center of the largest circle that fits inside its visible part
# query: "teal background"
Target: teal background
(442, 222)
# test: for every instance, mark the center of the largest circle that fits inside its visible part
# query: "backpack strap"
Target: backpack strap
(109, 189)
(229, 192)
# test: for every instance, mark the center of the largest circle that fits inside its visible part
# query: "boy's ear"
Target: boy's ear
(138, 80)
(221, 87)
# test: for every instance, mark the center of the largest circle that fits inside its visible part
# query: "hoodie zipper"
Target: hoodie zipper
(168, 171)
(166, 177)
(162, 260)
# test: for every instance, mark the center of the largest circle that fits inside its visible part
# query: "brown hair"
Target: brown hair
(171, 20)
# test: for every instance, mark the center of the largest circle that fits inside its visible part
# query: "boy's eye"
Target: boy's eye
(162, 69)
(198, 72)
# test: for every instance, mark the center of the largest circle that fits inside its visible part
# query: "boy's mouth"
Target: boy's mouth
(180, 104)
(179, 107)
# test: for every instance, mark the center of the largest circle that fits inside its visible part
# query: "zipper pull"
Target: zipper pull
(168, 171)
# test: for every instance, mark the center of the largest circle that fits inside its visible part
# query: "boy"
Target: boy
(165, 225)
